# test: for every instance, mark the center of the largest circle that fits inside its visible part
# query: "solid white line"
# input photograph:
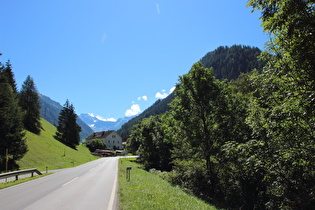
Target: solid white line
(112, 196)
(70, 181)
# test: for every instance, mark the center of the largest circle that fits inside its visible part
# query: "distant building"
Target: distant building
(111, 138)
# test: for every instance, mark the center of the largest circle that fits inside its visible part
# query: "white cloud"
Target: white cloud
(145, 98)
(161, 95)
(134, 110)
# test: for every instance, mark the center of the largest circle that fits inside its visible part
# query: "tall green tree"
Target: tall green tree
(152, 146)
(68, 131)
(291, 26)
(8, 73)
(201, 108)
(11, 125)
(29, 102)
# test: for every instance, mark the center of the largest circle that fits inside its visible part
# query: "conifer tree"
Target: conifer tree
(29, 102)
(11, 125)
(7, 72)
(68, 131)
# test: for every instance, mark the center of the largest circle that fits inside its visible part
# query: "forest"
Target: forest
(245, 143)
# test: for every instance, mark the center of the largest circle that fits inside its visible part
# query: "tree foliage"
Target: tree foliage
(11, 124)
(96, 144)
(154, 150)
(68, 131)
(230, 62)
(29, 102)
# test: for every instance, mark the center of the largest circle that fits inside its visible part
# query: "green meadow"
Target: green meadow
(45, 151)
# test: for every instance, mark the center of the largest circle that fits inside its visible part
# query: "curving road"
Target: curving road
(89, 186)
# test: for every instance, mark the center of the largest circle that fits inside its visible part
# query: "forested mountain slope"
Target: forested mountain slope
(230, 62)
(227, 62)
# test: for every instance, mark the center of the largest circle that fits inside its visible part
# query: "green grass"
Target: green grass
(148, 191)
(45, 151)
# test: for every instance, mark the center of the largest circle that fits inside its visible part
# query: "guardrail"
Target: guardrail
(17, 173)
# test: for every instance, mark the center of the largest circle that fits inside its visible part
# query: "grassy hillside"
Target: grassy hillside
(44, 151)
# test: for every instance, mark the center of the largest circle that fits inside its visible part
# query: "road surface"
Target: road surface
(89, 186)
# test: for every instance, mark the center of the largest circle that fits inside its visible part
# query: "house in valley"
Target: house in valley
(111, 138)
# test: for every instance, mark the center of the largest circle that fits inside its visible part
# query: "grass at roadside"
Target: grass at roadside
(148, 191)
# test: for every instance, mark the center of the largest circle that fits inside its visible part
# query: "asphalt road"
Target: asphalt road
(89, 186)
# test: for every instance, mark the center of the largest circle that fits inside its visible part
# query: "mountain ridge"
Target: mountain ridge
(98, 124)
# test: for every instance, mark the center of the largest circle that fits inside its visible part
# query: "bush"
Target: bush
(96, 144)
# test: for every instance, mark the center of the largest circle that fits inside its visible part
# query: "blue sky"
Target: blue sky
(116, 58)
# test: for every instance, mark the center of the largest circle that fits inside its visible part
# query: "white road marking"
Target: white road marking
(91, 169)
(112, 196)
(70, 181)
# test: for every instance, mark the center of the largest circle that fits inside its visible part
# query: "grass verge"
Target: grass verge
(148, 191)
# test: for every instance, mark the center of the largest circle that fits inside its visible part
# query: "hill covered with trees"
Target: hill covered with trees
(227, 62)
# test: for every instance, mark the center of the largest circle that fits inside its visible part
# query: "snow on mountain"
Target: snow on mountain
(98, 123)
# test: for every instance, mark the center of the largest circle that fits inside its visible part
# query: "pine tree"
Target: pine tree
(11, 125)
(7, 72)
(29, 102)
(68, 131)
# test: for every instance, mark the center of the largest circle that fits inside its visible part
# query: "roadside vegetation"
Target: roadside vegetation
(147, 190)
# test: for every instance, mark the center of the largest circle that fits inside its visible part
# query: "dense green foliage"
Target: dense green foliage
(12, 140)
(148, 139)
(68, 130)
(96, 144)
(230, 62)
(29, 102)
(249, 143)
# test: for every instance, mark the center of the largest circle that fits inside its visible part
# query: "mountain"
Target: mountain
(98, 124)
(50, 111)
(227, 62)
